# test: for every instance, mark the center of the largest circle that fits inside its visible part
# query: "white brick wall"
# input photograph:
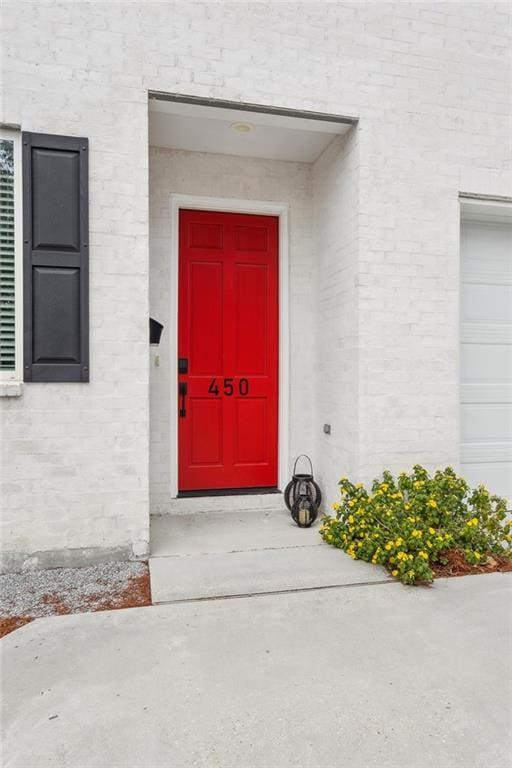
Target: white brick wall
(336, 360)
(429, 83)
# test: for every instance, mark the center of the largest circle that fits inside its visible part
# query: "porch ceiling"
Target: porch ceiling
(204, 128)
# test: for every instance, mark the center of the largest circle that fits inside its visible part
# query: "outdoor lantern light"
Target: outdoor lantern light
(303, 496)
(155, 331)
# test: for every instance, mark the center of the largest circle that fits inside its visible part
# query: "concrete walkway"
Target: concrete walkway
(255, 551)
(370, 676)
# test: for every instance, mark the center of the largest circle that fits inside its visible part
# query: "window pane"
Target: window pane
(6, 255)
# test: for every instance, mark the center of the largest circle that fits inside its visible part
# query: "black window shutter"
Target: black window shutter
(56, 258)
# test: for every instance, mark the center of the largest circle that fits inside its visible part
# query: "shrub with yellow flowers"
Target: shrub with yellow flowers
(406, 523)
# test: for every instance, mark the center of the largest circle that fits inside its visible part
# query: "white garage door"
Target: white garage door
(486, 355)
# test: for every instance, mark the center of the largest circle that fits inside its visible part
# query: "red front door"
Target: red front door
(227, 350)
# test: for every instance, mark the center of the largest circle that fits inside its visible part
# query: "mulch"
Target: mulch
(457, 566)
(135, 594)
(12, 623)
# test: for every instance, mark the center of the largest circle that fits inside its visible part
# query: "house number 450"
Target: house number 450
(228, 388)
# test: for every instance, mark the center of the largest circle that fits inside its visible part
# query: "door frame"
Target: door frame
(231, 205)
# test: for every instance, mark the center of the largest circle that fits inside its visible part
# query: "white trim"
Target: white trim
(17, 374)
(201, 203)
(485, 210)
(11, 388)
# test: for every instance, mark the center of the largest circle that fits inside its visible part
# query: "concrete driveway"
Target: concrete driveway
(371, 675)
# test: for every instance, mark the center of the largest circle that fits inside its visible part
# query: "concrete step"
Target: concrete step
(222, 554)
(214, 532)
(254, 572)
(236, 503)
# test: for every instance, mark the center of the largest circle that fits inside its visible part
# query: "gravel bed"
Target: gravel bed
(65, 590)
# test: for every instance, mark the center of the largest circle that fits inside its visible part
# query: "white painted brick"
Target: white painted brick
(379, 262)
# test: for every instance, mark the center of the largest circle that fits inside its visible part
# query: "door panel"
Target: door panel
(205, 317)
(251, 291)
(205, 415)
(205, 235)
(251, 238)
(228, 332)
(251, 435)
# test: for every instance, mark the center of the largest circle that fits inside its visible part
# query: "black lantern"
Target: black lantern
(155, 331)
(302, 495)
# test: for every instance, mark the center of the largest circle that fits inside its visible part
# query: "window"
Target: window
(10, 257)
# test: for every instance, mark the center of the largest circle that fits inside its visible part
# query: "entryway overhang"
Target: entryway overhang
(214, 155)
(247, 130)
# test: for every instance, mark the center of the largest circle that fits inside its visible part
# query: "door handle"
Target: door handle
(182, 390)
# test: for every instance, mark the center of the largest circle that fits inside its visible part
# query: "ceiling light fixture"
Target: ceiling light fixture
(241, 127)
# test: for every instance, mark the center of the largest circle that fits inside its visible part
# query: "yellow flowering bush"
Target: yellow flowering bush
(406, 523)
